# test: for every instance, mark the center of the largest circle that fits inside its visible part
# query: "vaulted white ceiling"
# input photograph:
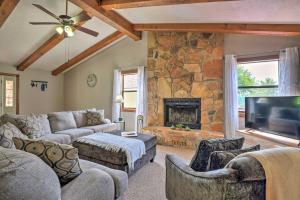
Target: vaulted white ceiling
(18, 39)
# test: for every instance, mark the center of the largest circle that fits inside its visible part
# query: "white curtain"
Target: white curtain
(289, 72)
(116, 92)
(231, 96)
(141, 108)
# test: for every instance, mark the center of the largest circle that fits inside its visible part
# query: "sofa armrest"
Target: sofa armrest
(119, 177)
(182, 182)
(93, 184)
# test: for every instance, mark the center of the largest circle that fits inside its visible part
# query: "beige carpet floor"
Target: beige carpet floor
(149, 182)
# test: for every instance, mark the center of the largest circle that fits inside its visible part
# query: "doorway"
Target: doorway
(9, 94)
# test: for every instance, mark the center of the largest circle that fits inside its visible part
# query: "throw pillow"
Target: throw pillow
(44, 124)
(219, 159)
(206, 147)
(60, 121)
(62, 158)
(7, 132)
(30, 126)
(95, 117)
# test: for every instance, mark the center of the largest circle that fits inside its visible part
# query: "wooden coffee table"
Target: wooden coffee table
(117, 160)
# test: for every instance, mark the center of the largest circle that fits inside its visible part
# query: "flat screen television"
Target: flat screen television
(276, 115)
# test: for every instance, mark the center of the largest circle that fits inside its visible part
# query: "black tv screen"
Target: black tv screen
(276, 115)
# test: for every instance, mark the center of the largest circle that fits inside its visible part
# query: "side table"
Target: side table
(122, 124)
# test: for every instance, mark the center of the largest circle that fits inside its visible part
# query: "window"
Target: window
(257, 78)
(9, 93)
(129, 90)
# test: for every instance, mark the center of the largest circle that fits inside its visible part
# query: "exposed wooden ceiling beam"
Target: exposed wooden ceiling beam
(109, 16)
(43, 49)
(254, 29)
(122, 4)
(91, 50)
(6, 8)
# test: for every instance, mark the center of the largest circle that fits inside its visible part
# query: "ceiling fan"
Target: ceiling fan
(66, 25)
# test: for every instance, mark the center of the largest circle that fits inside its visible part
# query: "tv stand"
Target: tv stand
(271, 137)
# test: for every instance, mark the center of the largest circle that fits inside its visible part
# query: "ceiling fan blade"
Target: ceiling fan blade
(81, 17)
(86, 30)
(44, 23)
(46, 11)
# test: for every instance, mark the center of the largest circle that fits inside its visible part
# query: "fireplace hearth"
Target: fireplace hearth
(184, 111)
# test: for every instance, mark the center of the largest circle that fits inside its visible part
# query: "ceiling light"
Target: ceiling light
(69, 31)
(70, 34)
(60, 30)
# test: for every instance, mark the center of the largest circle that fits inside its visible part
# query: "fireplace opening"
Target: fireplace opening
(184, 111)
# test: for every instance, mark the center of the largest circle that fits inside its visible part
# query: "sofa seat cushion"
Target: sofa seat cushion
(102, 128)
(60, 121)
(59, 138)
(25, 176)
(75, 133)
(120, 178)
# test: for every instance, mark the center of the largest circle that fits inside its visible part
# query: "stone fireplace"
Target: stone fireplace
(185, 65)
(184, 111)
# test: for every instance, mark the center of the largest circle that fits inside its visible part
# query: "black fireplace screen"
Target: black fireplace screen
(184, 111)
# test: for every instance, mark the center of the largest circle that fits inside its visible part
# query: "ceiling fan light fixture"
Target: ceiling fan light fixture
(60, 30)
(69, 31)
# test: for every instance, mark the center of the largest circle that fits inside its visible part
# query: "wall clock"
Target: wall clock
(92, 80)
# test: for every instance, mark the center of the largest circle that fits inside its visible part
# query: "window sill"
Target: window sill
(242, 113)
(128, 110)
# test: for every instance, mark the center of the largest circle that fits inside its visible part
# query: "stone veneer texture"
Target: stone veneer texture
(186, 65)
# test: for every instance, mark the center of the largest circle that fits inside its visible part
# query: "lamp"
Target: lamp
(119, 99)
(68, 30)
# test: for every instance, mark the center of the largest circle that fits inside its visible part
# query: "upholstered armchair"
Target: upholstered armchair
(242, 178)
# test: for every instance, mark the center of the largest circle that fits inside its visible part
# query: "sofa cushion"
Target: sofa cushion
(60, 121)
(44, 123)
(80, 117)
(7, 133)
(76, 133)
(120, 178)
(11, 118)
(95, 117)
(102, 127)
(25, 176)
(59, 138)
(30, 126)
(219, 159)
(206, 147)
(62, 158)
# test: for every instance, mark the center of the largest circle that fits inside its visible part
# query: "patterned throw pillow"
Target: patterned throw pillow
(95, 117)
(7, 132)
(63, 159)
(219, 159)
(30, 126)
(206, 147)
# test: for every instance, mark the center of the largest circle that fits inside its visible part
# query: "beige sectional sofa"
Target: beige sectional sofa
(64, 127)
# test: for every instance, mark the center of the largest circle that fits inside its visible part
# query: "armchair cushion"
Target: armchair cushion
(206, 147)
(219, 159)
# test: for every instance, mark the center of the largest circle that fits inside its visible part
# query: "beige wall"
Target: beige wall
(250, 44)
(125, 54)
(33, 100)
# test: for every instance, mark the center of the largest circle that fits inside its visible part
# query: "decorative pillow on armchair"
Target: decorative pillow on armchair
(63, 159)
(7, 132)
(95, 117)
(206, 147)
(219, 159)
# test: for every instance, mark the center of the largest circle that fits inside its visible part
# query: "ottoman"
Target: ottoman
(117, 160)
